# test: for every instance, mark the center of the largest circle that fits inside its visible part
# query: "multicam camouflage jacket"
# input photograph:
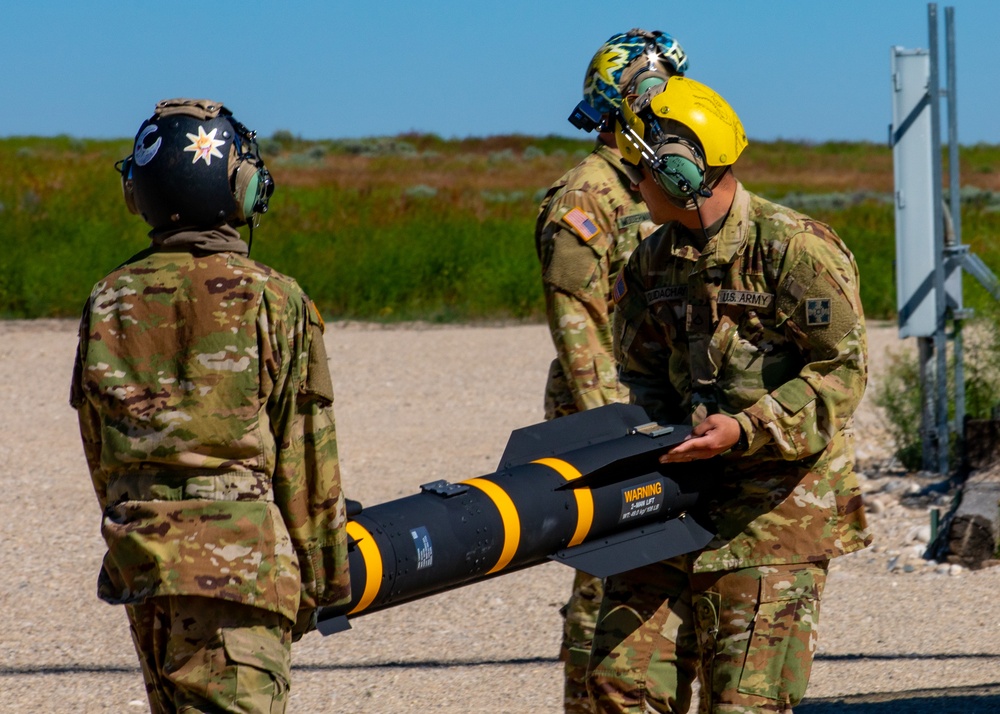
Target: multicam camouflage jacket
(764, 323)
(588, 225)
(205, 409)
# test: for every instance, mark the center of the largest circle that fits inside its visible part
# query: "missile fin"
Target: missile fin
(636, 548)
(332, 625)
(570, 432)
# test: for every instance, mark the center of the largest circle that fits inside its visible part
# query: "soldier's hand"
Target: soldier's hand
(717, 434)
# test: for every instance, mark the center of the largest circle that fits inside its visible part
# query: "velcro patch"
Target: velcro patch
(818, 312)
(581, 224)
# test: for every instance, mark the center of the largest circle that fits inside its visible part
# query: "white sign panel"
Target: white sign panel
(914, 193)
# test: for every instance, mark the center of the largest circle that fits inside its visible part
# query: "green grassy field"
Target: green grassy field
(416, 227)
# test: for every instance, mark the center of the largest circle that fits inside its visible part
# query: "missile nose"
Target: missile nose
(353, 507)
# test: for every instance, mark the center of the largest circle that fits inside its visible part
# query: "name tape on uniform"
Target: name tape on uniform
(745, 297)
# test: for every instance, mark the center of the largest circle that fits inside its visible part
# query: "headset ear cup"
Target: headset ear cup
(680, 168)
(128, 186)
(680, 176)
(246, 189)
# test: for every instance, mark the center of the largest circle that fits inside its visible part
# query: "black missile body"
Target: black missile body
(586, 490)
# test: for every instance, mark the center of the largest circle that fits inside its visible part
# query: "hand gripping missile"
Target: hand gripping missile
(586, 490)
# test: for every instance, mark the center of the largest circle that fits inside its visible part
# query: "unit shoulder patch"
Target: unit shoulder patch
(818, 312)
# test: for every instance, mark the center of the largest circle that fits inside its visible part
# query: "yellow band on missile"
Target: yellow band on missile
(584, 498)
(373, 564)
(508, 514)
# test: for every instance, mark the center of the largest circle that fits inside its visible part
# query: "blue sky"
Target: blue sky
(813, 70)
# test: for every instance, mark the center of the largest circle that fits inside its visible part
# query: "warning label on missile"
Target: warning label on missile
(641, 500)
(425, 551)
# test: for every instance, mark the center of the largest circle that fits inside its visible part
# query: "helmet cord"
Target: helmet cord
(701, 221)
(704, 192)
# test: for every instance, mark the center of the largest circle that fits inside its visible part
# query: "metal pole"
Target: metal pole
(955, 203)
(958, 355)
(940, 339)
(928, 440)
(955, 199)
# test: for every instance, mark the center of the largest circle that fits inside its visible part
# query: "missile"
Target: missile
(586, 490)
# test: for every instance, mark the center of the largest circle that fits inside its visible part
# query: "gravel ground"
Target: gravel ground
(417, 404)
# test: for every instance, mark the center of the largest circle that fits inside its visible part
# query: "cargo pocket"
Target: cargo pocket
(261, 657)
(779, 657)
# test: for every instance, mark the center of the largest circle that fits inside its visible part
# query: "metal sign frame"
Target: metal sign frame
(930, 256)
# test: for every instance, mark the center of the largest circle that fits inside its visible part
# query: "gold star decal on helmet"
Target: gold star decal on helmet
(204, 146)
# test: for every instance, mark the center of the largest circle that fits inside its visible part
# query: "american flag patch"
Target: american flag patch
(319, 318)
(619, 289)
(579, 222)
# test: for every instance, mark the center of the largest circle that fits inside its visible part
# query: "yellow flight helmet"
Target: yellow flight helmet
(693, 104)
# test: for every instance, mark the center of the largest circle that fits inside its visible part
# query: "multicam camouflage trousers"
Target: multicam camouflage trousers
(747, 635)
(580, 619)
(204, 655)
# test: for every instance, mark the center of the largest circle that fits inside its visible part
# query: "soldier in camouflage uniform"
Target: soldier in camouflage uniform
(205, 409)
(743, 318)
(588, 224)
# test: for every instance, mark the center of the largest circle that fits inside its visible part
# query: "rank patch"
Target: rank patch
(818, 312)
(204, 146)
(581, 224)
